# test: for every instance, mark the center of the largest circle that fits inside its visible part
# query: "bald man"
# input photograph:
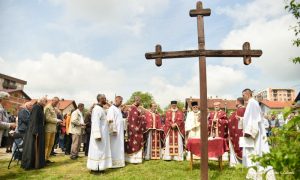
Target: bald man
(99, 156)
(116, 131)
(135, 127)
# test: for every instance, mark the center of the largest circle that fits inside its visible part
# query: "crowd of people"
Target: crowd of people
(114, 133)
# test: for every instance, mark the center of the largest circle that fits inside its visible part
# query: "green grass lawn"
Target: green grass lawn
(65, 168)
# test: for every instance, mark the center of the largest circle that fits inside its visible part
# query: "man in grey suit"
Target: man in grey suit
(4, 117)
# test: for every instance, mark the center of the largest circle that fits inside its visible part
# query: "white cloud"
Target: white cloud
(68, 75)
(257, 9)
(221, 82)
(267, 28)
(108, 16)
(1, 60)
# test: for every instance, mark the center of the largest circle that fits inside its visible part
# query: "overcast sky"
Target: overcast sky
(76, 49)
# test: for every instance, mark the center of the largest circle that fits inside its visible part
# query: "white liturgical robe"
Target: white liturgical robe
(253, 125)
(192, 127)
(192, 124)
(116, 126)
(99, 156)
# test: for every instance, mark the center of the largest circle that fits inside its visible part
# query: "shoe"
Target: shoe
(66, 153)
(48, 161)
(73, 158)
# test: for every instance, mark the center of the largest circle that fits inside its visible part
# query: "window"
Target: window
(8, 84)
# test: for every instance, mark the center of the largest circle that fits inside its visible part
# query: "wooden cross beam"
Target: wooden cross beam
(246, 53)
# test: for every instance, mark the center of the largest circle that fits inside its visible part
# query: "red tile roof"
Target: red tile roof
(63, 104)
(277, 104)
(10, 91)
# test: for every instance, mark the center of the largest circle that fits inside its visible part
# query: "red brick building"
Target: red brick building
(272, 106)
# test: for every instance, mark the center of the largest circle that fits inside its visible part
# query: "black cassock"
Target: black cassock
(34, 141)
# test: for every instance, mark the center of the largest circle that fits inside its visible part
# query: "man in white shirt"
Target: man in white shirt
(76, 126)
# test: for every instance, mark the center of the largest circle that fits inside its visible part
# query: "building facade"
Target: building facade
(9, 83)
(279, 94)
(14, 87)
(274, 106)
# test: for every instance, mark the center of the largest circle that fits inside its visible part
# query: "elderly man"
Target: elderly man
(23, 123)
(217, 122)
(174, 131)
(154, 134)
(24, 117)
(4, 117)
(99, 157)
(192, 122)
(76, 127)
(50, 127)
(192, 125)
(116, 130)
(34, 140)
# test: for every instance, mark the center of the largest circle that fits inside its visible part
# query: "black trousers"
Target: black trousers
(87, 144)
(68, 143)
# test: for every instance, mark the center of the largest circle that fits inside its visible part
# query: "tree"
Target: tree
(293, 6)
(180, 105)
(146, 99)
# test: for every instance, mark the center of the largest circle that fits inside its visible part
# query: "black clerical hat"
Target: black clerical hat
(173, 102)
(194, 103)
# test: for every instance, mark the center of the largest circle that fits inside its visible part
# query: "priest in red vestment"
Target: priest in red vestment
(153, 134)
(135, 128)
(217, 122)
(174, 133)
(235, 127)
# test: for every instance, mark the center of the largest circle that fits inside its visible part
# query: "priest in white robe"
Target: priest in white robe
(116, 131)
(255, 139)
(192, 126)
(99, 156)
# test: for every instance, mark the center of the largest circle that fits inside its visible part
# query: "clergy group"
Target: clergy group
(118, 133)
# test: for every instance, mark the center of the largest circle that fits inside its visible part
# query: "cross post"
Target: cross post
(202, 53)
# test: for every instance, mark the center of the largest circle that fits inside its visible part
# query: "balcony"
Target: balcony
(9, 85)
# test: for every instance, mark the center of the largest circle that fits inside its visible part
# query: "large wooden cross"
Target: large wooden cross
(202, 53)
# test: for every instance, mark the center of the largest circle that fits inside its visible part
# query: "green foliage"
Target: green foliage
(296, 60)
(146, 100)
(285, 152)
(274, 112)
(293, 6)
